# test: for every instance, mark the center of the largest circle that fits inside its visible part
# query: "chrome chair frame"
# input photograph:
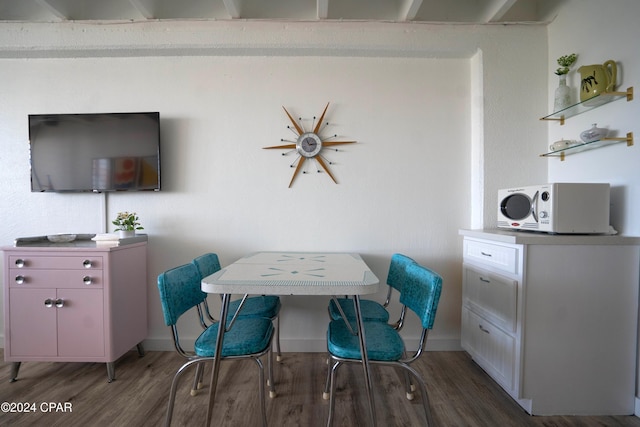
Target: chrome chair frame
(194, 359)
(199, 362)
(427, 317)
(395, 278)
(211, 318)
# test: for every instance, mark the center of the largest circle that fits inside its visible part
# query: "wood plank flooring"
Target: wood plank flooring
(461, 395)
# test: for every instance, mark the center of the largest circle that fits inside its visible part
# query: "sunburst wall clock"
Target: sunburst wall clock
(308, 145)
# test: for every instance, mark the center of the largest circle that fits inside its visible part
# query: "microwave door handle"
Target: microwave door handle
(534, 207)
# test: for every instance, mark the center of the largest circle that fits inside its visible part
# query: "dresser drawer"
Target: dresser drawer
(504, 258)
(33, 278)
(55, 262)
(493, 295)
(490, 347)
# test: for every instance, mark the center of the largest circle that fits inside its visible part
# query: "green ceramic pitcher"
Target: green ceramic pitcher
(597, 79)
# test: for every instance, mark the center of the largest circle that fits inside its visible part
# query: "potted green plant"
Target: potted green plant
(562, 96)
(127, 223)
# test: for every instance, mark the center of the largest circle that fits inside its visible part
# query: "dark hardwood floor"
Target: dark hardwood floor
(461, 394)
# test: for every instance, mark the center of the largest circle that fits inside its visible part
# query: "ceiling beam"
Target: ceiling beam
(497, 9)
(409, 9)
(142, 8)
(56, 11)
(322, 7)
(233, 8)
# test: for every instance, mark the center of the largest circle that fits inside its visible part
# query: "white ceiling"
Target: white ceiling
(449, 11)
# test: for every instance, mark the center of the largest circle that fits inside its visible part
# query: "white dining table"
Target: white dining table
(293, 273)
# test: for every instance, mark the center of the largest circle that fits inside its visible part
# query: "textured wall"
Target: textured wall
(443, 115)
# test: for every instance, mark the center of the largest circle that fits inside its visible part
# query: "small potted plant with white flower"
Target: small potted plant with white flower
(127, 223)
(562, 96)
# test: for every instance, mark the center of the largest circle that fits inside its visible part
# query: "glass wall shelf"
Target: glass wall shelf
(589, 104)
(588, 146)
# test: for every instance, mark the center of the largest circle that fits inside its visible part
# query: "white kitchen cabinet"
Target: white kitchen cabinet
(553, 318)
(74, 302)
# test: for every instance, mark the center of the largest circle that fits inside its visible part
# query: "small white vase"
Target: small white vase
(562, 97)
(594, 134)
(126, 233)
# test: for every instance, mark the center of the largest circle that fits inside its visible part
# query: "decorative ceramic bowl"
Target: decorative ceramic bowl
(562, 144)
(593, 134)
(61, 238)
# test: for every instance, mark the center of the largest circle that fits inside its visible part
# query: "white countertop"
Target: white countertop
(539, 238)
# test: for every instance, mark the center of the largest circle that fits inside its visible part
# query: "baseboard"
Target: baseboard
(311, 346)
(637, 410)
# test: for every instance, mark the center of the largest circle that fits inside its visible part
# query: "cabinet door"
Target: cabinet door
(81, 323)
(492, 348)
(32, 324)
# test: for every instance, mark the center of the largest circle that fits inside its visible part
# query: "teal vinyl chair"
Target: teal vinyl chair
(421, 294)
(373, 310)
(180, 292)
(252, 306)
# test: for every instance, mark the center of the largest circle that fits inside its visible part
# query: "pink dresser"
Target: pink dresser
(74, 302)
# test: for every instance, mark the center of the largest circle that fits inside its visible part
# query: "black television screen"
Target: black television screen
(95, 152)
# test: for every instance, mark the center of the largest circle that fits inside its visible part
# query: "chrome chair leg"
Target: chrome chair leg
(409, 386)
(326, 394)
(423, 390)
(271, 380)
(279, 357)
(263, 408)
(332, 392)
(174, 386)
(197, 380)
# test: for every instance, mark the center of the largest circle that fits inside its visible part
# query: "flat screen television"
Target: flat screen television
(95, 152)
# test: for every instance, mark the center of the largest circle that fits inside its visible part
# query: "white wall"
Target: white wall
(598, 31)
(573, 32)
(443, 115)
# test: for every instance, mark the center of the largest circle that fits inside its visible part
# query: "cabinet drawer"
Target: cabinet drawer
(32, 278)
(494, 295)
(490, 347)
(501, 257)
(56, 262)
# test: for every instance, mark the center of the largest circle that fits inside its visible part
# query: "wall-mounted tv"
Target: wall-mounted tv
(95, 152)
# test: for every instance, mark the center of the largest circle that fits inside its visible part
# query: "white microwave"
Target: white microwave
(563, 208)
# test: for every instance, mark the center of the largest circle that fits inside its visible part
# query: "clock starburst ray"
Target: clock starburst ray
(295, 173)
(330, 143)
(317, 128)
(296, 125)
(326, 169)
(280, 146)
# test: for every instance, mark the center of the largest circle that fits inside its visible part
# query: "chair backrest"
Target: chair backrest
(397, 270)
(179, 291)
(421, 293)
(207, 264)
